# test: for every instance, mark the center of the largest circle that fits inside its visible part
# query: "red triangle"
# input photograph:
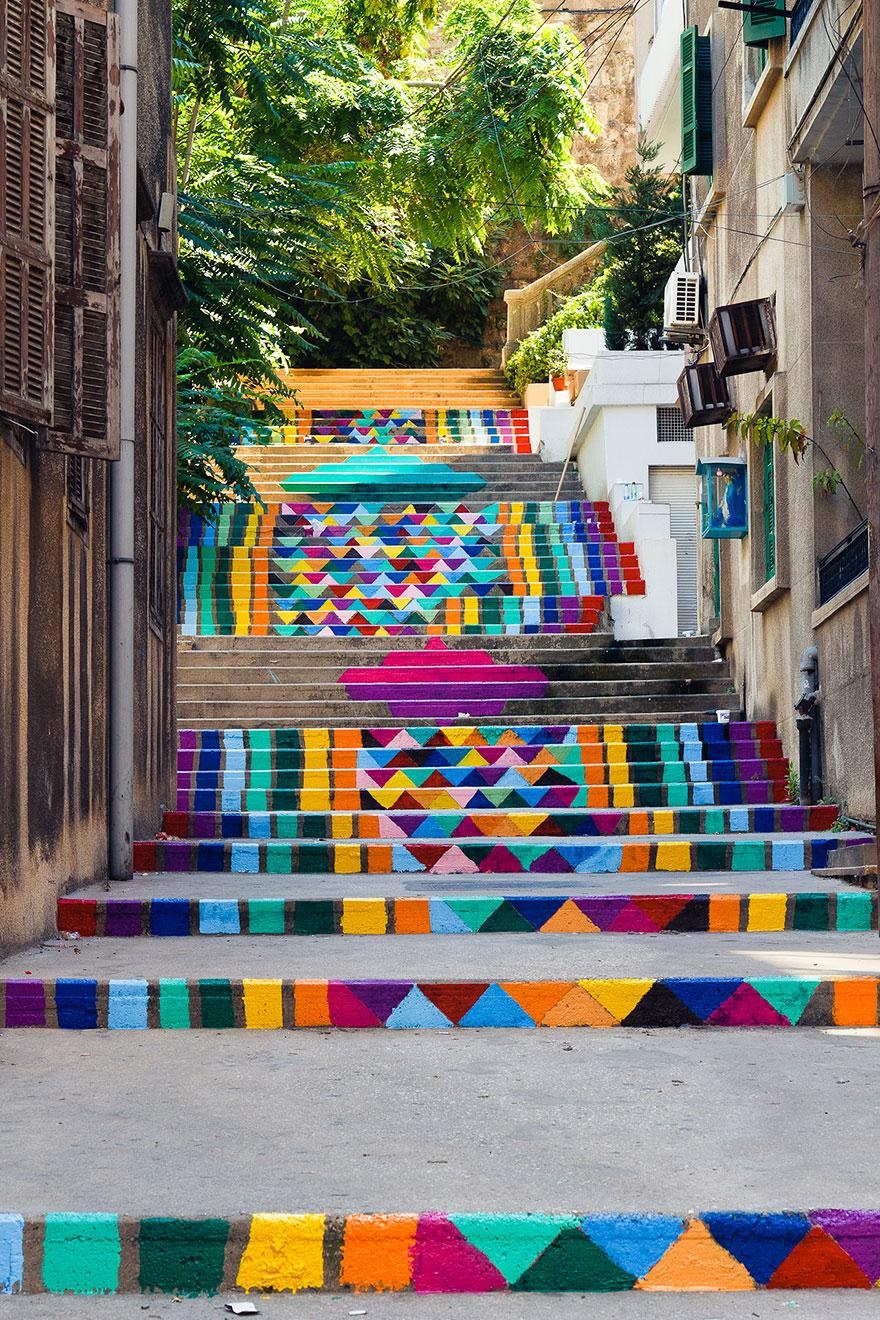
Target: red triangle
(429, 853)
(818, 1262)
(501, 861)
(661, 908)
(453, 998)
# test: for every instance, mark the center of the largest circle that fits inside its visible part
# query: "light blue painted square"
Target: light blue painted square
(127, 1005)
(788, 855)
(403, 861)
(704, 795)
(692, 751)
(235, 758)
(689, 733)
(698, 772)
(596, 859)
(739, 820)
(233, 738)
(230, 799)
(219, 916)
(11, 1253)
(234, 779)
(245, 858)
(259, 825)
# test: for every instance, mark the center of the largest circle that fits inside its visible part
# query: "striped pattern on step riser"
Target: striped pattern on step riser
(565, 915)
(246, 857)
(450, 824)
(220, 1003)
(440, 1253)
(410, 426)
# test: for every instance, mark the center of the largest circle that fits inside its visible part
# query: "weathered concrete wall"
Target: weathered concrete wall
(805, 260)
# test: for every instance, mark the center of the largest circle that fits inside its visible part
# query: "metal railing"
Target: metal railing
(842, 565)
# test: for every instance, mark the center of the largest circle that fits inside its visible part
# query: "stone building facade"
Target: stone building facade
(58, 440)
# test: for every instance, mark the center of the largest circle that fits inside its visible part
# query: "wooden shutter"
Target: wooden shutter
(85, 418)
(696, 103)
(26, 153)
(765, 19)
(769, 491)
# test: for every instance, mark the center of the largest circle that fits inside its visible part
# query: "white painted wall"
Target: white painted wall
(656, 613)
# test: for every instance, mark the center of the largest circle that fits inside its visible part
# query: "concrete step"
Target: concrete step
(689, 913)
(610, 677)
(536, 648)
(273, 711)
(484, 856)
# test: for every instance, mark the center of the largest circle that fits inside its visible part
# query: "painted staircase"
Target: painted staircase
(400, 716)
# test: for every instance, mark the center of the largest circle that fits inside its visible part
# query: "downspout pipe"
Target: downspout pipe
(122, 477)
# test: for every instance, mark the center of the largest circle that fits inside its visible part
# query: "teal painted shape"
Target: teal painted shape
(511, 1242)
(854, 911)
(416, 1010)
(789, 998)
(444, 921)
(81, 1253)
(474, 911)
(11, 1253)
(388, 476)
(495, 1008)
(634, 1242)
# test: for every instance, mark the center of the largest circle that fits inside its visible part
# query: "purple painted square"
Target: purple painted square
(176, 855)
(25, 1004)
(123, 916)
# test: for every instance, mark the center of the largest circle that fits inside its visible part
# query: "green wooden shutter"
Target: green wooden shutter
(696, 103)
(765, 20)
(769, 514)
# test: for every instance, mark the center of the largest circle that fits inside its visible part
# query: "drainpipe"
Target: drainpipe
(122, 483)
(809, 770)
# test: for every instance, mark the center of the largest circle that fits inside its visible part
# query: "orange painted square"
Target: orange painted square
(378, 858)
(310, 1008)
(344, 758)
(588, 733)
(349, 799)
(636, 857)
(724, 912)
(599, 796)
(638, 822)
(344, 778)
(855, 1002)
(368, 825)
(347, 738)
(594, 774)
(412, 916)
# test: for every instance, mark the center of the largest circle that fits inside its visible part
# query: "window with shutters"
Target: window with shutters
(26, 144)
(764, 21)
(159, 459)
(78, 492)
(696, 103)
(85, 416)
(769, 511)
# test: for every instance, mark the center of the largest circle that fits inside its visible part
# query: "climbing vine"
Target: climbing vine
(791, 436)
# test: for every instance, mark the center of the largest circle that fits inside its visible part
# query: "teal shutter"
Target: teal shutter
(769, 514)
(696, 103)
(765, 20)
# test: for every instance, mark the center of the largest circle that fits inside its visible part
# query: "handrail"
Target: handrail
(529, 307)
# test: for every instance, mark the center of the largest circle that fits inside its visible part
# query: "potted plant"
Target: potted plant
(557, 365)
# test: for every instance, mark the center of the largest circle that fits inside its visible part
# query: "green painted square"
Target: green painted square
(313, 859)
(710, 856)
(266, 916)
(286, 825)
(81, 1253)
(285, 738)
(173, 1003)
(714, 822)
(854, 911)
(811, 911)
(666, 733)
(690, 822)
(260, 779)
(313, 916)
(748, 856)
(261, 738)
(314, 825)
(678, 795)
(215, 995)
(261, 759)
(256, 800)
(638, 733)
(182, 1256)
(279, 859)
(674, 772)
(670, 751)
(650, 795)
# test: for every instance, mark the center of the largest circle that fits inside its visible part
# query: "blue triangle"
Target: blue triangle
(634, 1242)
(402, 860)
(495, 1008)
(702, 995)
(444, 921)
(537, 910)
(761, 1242)
(416, 1011)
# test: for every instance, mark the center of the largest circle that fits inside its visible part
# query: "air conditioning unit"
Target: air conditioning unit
(681, 305)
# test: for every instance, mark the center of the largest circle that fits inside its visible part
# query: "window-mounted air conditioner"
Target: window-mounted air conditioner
(681, 305)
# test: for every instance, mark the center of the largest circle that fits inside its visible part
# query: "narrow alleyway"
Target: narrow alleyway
(402, 719)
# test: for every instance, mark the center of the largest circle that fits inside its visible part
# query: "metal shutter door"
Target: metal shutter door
(677, 487)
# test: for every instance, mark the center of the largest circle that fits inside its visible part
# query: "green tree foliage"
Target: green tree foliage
(644, 246)
(540, 354)
(331, 168)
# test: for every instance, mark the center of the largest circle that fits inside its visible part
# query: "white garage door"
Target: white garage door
(677, 487)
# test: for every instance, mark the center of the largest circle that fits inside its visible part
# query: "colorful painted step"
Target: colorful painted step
(623, 914)
(80, 1004)
(409, 426)
(470, 857)
(729, 1251)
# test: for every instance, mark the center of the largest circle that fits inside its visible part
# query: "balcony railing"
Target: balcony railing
(842, 565)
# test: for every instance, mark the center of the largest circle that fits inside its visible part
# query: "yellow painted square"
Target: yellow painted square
(364, 916)
(314, 799)
(766, 912)
(612, 733)
(316, 738)
(347, 859)
(262, 1003)
(624, 795)
(673, 857)
(341, 825)
(618, 774)
(283, 1253)
(615, 752)
(664, 822)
